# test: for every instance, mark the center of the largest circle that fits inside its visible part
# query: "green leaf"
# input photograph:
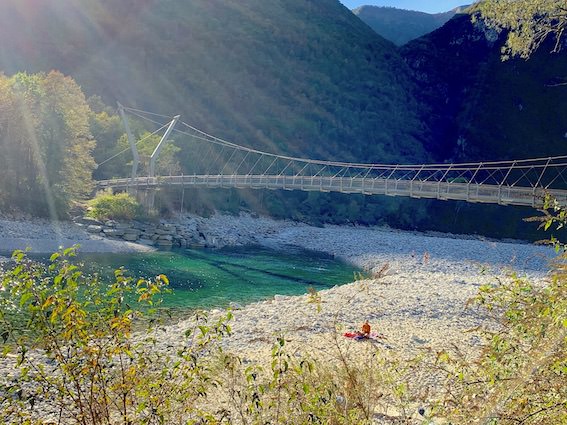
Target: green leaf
(25, 298)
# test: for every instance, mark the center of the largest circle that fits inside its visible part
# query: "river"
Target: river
(214, 278)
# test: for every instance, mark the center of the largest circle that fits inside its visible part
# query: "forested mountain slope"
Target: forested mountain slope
(481, 108)
(294, 76)
(399, 25)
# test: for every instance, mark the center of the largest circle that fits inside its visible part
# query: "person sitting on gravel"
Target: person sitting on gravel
(365, 332)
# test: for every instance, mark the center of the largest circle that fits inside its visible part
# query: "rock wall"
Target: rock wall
(190, 230)
(160, 235)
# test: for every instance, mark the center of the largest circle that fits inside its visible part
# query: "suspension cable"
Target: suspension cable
(128, 148)
(465, 166)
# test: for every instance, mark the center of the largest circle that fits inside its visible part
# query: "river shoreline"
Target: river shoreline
(419, 300)
(418, 297)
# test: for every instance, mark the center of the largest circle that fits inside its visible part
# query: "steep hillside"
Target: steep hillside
(295, 76)
(399, 25)
(481, 108)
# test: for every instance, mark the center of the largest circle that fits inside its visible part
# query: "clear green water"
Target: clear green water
(207, 278)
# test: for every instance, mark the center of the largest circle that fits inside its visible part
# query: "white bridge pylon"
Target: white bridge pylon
(217, 163)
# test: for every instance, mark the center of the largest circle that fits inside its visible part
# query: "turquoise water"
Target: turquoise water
(215, 278)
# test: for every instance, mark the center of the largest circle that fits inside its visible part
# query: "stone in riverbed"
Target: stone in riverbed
(113, 232)
(131, 237)
(123, 226)
(279, 298)
(93, 228)
(164, 244)
(88, 221)
(419, 340)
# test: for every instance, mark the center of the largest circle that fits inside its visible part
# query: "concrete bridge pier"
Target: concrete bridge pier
(146, 198)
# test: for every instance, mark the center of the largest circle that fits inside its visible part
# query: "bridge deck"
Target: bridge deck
(470, 192)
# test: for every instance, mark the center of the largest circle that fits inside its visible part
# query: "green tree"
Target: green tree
(166, 164)
(107, 129)
(46, 143)
(529, 22)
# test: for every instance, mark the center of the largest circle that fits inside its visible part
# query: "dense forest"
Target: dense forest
(45, 141)
(306, 78)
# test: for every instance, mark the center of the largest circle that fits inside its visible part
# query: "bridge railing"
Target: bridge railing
(470, 192)
(215, 162)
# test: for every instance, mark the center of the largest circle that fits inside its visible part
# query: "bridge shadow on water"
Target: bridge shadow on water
(226, 266)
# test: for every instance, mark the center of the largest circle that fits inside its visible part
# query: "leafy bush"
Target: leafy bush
(76, 355)
(520, 376)
(120, 206)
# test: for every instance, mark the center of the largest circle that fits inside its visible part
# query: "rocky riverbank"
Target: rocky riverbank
(417, 295)
(420, 297)
(44, 237)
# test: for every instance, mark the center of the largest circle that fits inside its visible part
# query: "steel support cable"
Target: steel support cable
(337, 173)
(542, 173)
(490, 175)
(320, 171)
(506, 176)
(464, 167)
(273, 162)
(256, 163)
(559, 174)
(147, 112)
(415, 167)
(228, 162)
(128, 148)
(409, 168)
(147, 119)
(428, 167)
(241, 162)
(214, 162)
(441, 167)
(382, 174)
(301, 171)
(472, 165)
(431, 176)
(285, 168)
(370, 169)
(524, 174)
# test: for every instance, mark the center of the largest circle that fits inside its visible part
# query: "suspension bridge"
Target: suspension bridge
(217, 163)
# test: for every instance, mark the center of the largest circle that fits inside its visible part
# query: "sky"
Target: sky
(429, 6)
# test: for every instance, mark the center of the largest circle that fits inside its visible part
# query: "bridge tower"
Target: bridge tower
(148, 195)
(151, 195)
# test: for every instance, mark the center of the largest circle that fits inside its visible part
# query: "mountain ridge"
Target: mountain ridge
(402, 25)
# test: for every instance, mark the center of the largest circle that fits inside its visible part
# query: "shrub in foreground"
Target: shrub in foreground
(70, 340)
(76, 359)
